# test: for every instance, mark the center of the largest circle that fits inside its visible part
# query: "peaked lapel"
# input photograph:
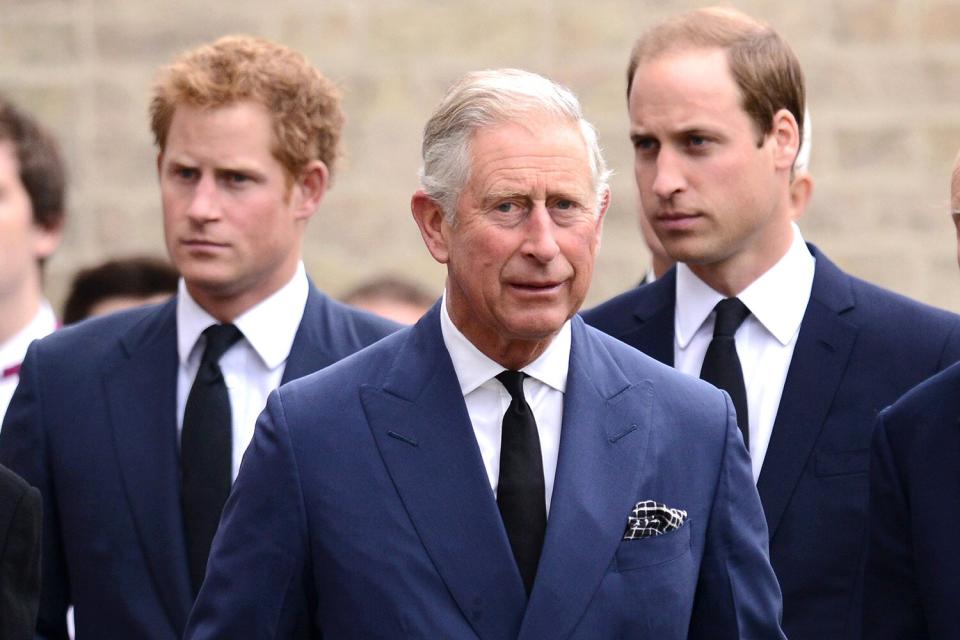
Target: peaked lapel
(310, 351)
(603, 441)
(820, 357)
(140, 386)
(420, 423)
(655, 311)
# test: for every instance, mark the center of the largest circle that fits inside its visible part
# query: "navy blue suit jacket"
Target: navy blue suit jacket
(93, 426)
(859, 349)
(912, 579)
(363, 510)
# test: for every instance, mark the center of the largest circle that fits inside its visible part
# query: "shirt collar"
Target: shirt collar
(270, 326)
(473, 368)
(43, 323)
(777, 299)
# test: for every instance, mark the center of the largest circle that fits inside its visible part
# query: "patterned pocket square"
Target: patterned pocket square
(651, 518)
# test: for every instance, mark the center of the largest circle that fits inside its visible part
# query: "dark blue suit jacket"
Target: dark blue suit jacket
(912, 580)
(93, 426)
(859, 349)
(363, 510)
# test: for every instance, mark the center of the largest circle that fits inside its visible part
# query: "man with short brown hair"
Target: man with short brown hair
(32, 186)
(808, 353)
(133, 425)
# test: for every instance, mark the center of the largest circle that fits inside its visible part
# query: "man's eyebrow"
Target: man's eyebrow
(494, 196)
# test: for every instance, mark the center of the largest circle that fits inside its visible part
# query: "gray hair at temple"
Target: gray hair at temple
(488, 98)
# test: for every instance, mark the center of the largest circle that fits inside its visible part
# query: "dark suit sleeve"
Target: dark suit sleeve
(737, 594)
(23, 450)
(255, 584)
(891, 603)
(19, 558)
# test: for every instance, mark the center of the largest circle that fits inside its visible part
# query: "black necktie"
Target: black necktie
(206, 448)
(520, 493)
(721, 365)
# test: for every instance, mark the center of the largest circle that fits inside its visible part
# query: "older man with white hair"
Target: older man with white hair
(498, 470)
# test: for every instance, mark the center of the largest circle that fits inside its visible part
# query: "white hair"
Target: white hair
(485, 98)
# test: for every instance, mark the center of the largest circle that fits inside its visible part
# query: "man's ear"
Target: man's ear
(46, 239)
(432, 224)
(310, 187)
(602, 205)
(801, 189)
(786, 138)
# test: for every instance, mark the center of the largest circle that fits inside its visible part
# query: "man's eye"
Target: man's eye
(565, 204)
(186, 173)
(697, 141)
(506, 207)
(237, 178)
(644, 144)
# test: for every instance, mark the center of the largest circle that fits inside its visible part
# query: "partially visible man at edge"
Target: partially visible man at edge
(499, 469)
(133, 425)
(808, 353)
(912, 571)
(32, 211)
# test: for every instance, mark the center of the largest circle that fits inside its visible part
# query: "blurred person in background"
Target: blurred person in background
(119, 284)
(912, 573)
(392, 297)
(32, 208)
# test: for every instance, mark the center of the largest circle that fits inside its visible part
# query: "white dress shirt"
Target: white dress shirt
(44, 322)
(487, 400)
(253, 367)
(777, 301)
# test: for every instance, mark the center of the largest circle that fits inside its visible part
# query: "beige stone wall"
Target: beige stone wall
(884, 89)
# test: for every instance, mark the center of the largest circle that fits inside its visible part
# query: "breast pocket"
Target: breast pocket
(842, 463)
(649, 552)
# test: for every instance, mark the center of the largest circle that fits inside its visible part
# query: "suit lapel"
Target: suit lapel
(606, 426)
(140, 387)
(423, 432)
(310, 350)
(819, 359)
(655, 313)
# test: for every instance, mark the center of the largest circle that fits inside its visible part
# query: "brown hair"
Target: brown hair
(761, 62)
(134, 277)
(303, 104)
(40, 164)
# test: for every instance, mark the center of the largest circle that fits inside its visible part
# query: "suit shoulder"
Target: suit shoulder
(616, 315)
(933, 401)
(365, 366)
(15, 491)
(11, 484)
(90, 337)
(668, 381)
(886, 303)
(346, 326)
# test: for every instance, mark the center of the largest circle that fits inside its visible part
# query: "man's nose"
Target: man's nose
(669, 178)
(204, 203)
(540, 229)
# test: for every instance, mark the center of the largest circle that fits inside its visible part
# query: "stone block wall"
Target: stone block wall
(883, 79)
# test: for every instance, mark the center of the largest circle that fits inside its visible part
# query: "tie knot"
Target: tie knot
(220, 337)
(730, 315)
(513, 382)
